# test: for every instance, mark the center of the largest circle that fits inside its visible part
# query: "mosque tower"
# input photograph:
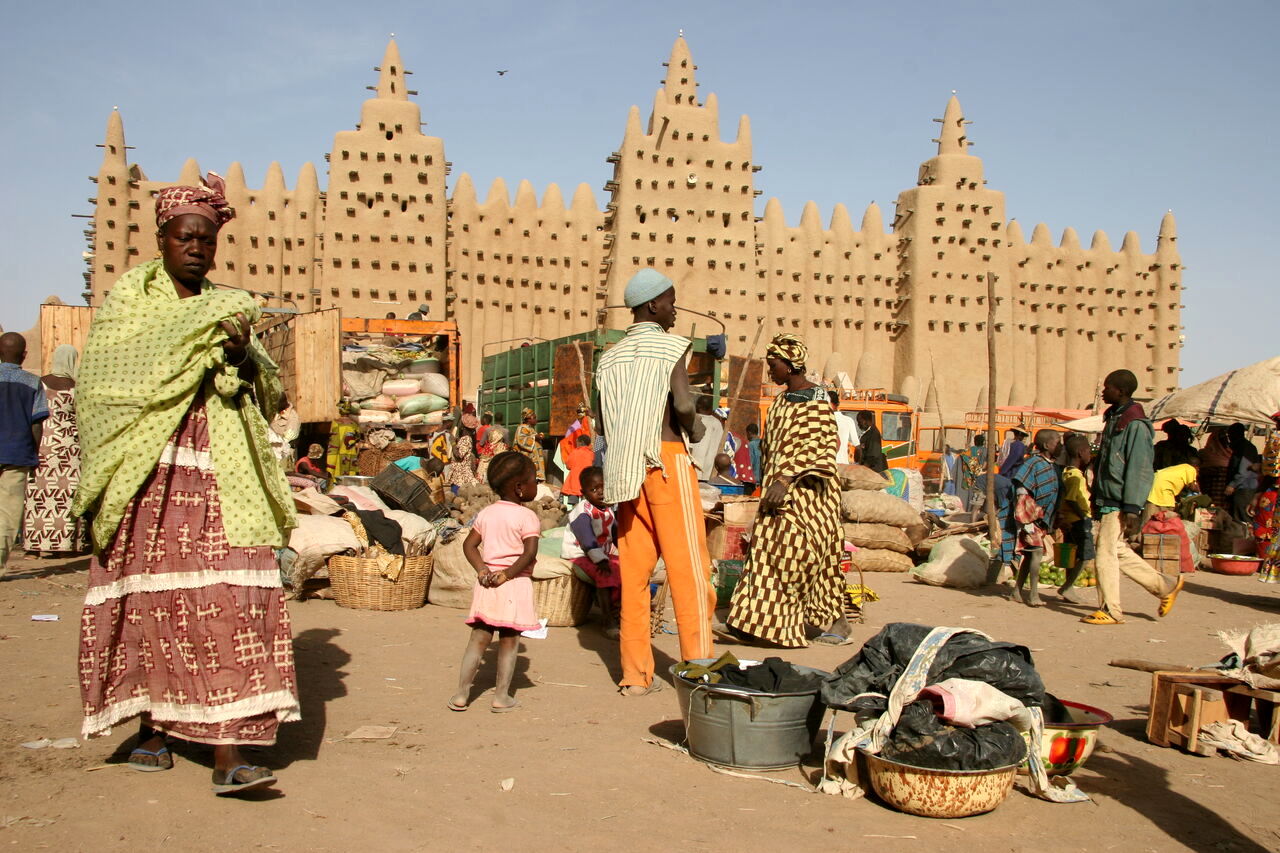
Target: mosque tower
(108, 256)
(949, 228)
(386, 208)
(683, 202)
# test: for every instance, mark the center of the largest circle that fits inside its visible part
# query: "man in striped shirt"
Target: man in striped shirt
(647, 413)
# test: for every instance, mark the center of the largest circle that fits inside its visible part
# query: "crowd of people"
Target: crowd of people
(189, 634)
(1057, 489)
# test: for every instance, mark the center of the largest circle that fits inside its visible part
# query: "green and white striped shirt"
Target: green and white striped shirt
(634, 378)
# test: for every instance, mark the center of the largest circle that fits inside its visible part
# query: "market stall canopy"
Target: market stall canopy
(1248, 395)
(1093, 423)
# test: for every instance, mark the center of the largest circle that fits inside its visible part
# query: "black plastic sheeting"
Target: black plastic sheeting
(921, 738)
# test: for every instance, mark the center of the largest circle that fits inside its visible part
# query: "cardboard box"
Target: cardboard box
(726, 541)
(1207, 518)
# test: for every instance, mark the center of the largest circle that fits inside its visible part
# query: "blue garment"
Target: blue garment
(757, 459)
(951, 462)
(1039, 478)
(409, 463)
(22, 404)
(1004, 512)
(1017, 452)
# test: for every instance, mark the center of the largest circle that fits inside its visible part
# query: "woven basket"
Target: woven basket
(358, 583)
(563, 601)
(370, 462)
(397, 450)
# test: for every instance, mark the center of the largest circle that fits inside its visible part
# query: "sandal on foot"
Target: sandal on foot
(656, 686)
(245, 777)
(612, 633)
(505, 709)
(146, 761)
(454, 706)
(829, 639)
(1101, 617)
(1166, 603)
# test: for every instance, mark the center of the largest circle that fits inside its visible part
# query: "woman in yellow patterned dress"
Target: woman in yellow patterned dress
(792, 576)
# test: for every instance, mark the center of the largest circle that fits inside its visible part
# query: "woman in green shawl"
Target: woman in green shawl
(184, 623)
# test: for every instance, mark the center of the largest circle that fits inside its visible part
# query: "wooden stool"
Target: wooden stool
(1183, 702)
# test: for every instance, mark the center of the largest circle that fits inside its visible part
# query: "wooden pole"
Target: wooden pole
(994, 531)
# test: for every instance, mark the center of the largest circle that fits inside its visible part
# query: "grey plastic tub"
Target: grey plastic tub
(734, 727)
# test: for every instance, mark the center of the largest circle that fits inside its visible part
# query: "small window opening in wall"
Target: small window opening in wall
(390, 135)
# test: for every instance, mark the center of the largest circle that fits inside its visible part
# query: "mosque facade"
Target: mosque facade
(897, 301)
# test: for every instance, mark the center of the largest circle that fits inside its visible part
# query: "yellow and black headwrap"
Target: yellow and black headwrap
(790, 349)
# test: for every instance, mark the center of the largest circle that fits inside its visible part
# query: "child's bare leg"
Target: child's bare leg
(1019, 581)
(471, 657)
(508, 647)
(608, 611)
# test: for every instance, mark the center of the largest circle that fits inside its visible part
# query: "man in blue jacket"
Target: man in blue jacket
(1121, 484)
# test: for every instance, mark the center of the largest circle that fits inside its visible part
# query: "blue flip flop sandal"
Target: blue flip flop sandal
(163, 757)
(829, 639)
(225, 783)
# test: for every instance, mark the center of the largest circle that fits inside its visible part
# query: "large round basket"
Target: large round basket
(371, 461)
(397, 450)
(939, 793)
(358, 583)
(563, 601)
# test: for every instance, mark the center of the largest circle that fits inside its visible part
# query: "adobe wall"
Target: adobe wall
(903, 306)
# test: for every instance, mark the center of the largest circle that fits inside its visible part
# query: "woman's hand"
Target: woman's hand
(236, 347)
(603, 567)
(775, 495)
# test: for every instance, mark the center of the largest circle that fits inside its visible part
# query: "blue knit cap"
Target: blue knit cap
(645, 285)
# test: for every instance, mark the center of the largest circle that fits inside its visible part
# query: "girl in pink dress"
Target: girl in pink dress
(501, 547)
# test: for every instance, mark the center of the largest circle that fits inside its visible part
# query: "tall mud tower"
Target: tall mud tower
(682, 202)
(385, 212)
(948, 229)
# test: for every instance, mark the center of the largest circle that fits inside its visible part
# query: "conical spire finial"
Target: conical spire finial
(952, 139)
(679, 85)
(391, 74)
(113, 146)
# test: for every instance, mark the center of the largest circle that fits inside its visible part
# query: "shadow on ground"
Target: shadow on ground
(1144, 788)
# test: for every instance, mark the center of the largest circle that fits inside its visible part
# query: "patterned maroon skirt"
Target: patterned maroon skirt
(177, 624)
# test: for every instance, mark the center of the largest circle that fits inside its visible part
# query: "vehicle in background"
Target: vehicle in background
(891, 413)
(934, 440)
(554, 377)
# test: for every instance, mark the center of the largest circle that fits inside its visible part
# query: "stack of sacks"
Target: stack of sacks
(407, 401)
(876, 522)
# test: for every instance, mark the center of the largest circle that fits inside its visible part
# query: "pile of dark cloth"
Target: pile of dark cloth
(771, 675)
(921, 738)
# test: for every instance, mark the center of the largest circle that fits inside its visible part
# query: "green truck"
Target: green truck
(549, 377)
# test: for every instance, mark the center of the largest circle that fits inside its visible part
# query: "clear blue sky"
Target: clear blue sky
(1087, 114)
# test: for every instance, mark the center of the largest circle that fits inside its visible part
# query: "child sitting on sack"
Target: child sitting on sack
(591, 544)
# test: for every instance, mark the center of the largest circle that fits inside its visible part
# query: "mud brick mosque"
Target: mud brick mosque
(901, 296)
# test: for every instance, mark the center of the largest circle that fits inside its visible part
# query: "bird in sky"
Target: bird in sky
(504, 71)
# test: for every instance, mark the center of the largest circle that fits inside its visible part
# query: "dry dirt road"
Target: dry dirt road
(585, 778)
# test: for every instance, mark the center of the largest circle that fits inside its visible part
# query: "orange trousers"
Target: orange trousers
(665, 521)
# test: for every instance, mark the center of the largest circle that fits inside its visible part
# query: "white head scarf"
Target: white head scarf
(65, 360)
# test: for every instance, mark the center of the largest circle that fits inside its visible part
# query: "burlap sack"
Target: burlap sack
(452, 577)
(877, 536)
(880, 560)
(861, 477)
(877, 508)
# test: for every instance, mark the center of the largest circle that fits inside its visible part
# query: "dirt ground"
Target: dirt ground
(584, 777)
